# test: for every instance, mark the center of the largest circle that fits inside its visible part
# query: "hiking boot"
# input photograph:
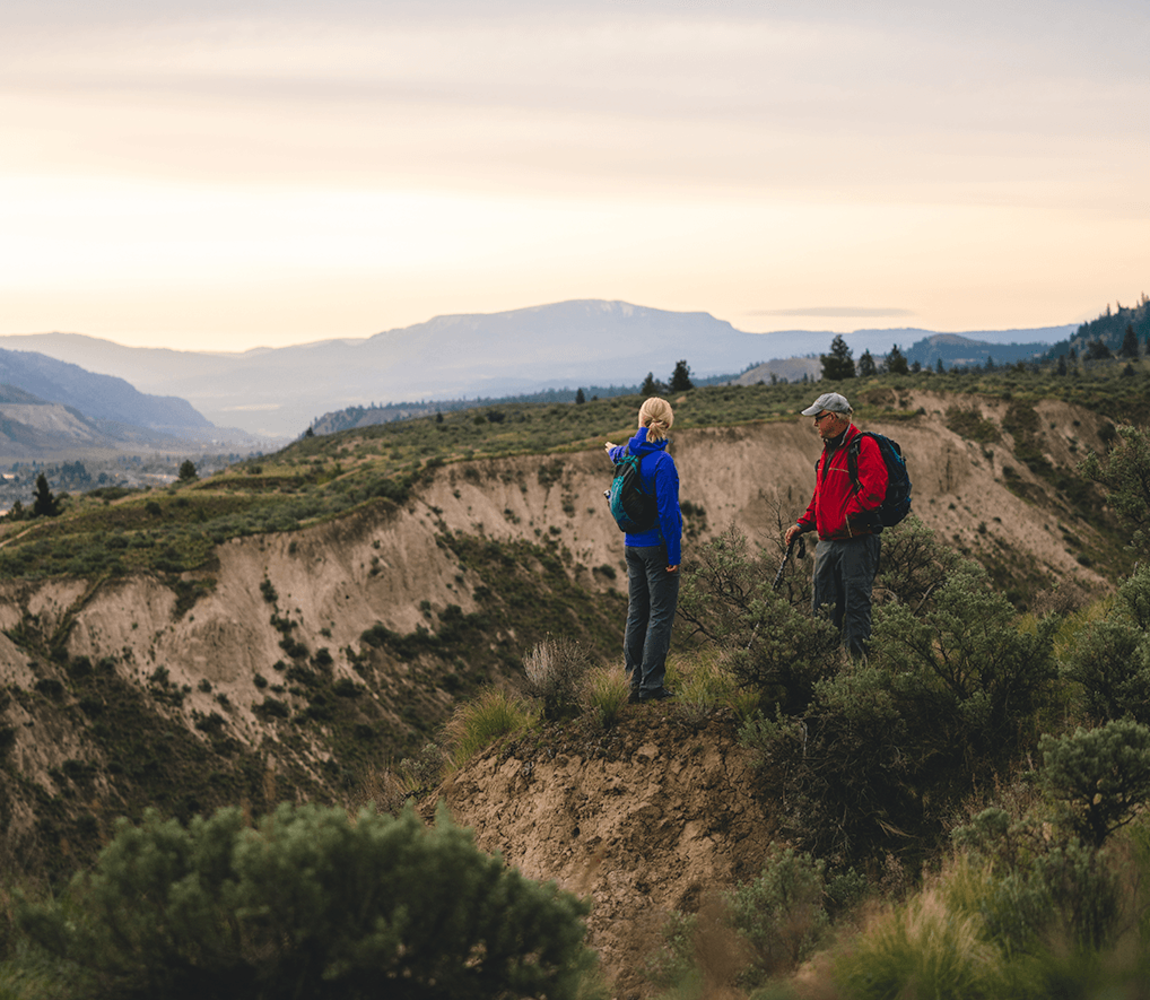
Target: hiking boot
(633, 698)
(657, 695)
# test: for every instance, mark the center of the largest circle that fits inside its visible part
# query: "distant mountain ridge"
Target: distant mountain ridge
(583, 342)
(103, 397)
(33, 428)
(51, 409)
(956, 351)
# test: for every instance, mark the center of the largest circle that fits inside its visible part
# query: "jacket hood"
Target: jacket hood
(640, 446)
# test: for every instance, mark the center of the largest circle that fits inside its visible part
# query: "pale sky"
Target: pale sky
(220, 175)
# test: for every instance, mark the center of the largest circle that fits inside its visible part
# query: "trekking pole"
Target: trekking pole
(786, 556)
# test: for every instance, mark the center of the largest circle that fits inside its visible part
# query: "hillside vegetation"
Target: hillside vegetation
(324, 476)
(302, 626)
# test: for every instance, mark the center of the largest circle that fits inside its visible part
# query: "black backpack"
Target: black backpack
(634, 511)
(896, 504)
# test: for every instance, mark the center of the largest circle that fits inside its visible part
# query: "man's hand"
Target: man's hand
(672, 569)
(793, 532)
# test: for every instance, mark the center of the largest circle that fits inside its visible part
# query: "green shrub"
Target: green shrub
(968, 675)
(272, 708)
(1134, 597)
(885, 750)
(1111, 664)
(422, 772)
(673, 963)
(1124, 473)
(770, 645)
(1111, 659)
(781, 914)
(913, 565)
(345, 687)
(310, 904)
(1100, 776)
(1030, 889)
(845, 774)
(970, 424)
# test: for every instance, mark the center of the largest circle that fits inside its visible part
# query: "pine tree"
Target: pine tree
(867, 365)
(681, 378)
(580, 399)
(896, 362)
(651, 387)
(838, 364)
(44, 504)
(188, 470)
(1129, 347)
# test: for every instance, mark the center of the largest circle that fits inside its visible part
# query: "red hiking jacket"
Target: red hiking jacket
(836, 504)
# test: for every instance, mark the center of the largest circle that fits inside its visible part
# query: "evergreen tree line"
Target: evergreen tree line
(839, 363)
(680, 381)
(1116, 332)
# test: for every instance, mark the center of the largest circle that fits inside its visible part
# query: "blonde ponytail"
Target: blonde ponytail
(657, 416)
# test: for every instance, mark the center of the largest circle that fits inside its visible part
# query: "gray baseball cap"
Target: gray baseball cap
(833, 401)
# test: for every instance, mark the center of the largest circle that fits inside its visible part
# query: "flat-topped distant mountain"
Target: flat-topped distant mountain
(568, 344)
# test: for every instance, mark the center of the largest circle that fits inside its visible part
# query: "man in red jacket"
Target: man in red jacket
(847, 490)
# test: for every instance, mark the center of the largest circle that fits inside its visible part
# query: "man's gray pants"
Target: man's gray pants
(844, 578)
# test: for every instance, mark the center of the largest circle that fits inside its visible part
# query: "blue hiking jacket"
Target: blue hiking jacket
(660, 478)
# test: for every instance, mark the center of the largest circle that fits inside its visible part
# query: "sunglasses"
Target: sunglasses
(822, 416)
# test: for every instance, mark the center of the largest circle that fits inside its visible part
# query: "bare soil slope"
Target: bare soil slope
(657, 815)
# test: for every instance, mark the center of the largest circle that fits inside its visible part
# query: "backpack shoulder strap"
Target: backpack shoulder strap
(853, 458)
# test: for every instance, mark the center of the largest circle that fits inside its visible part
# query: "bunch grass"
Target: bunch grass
(604, 695)
(476, 725)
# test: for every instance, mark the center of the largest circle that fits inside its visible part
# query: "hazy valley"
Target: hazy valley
(278, 393)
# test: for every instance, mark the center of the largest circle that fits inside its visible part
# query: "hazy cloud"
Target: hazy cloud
(834, 311)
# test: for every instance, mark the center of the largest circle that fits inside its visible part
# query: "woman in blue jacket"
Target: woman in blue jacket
(652, 556)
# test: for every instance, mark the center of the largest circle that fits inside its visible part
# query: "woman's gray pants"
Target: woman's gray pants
(652, 596)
